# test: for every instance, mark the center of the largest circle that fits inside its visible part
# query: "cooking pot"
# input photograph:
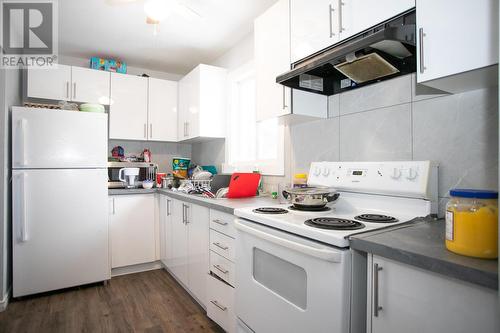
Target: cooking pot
(311, 197)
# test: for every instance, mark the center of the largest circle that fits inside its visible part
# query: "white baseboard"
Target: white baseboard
(136, 268)
(5, 301)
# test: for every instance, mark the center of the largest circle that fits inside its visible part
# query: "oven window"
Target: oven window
(282, 277)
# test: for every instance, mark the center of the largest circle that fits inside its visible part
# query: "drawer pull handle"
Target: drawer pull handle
(218, 267)
(219, 222)
(220, 246)
(222, 307)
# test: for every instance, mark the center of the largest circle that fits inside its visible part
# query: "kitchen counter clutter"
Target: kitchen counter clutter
(421, 244)
(224, 205)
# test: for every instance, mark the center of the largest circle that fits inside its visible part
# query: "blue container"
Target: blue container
(109, 65)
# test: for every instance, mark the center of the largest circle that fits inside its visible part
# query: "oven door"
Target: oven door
(286, 283)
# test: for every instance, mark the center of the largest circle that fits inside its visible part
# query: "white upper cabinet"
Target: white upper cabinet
(90, 85)
(128, 112)
(316, 25)
(202, 104)
(69, 83)
(272, 57)
(456, 37)
(52, 83)
(162, 110)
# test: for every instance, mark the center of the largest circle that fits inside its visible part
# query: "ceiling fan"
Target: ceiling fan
(158, 10)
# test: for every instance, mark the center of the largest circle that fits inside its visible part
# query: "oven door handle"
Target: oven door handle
(321, 253)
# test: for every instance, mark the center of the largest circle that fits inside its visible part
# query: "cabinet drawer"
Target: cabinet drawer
(220, 305)
(222, 267)
(222, 244)
(222, 222)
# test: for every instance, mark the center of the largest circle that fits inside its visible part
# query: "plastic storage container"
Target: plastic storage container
(472, 223)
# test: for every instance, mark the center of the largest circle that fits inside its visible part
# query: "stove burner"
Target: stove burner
(376, 218)
(334, 223)
(270, 210)
(310, 209)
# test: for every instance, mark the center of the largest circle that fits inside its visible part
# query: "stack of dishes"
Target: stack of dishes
(92, 108)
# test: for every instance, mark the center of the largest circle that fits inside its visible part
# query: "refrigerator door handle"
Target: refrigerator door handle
(22, 142)
(23, 208)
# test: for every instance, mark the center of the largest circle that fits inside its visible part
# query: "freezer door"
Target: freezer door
(60, 229)
(47, 139)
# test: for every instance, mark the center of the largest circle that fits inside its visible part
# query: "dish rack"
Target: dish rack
(196, 183)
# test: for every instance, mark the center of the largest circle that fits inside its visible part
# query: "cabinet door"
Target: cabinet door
(314, 26)
(132, 230)
(198, 224)
(363, 14)
(179, 262)
(455, 37)
(162, 209)
(128, 112)
(188, 102)
(90, 85)
(272, 57)
(414, 300)
(54, 83)
(162, 110)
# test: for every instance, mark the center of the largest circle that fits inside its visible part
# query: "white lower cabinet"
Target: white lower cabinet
(132, 229)
(220, 303)
(403, 298)
(185, 233)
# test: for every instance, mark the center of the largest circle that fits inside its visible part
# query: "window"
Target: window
(251, 144)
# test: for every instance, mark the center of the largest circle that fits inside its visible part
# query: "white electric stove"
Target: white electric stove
(294, 267)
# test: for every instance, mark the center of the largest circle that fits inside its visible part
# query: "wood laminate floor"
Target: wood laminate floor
(144, 302)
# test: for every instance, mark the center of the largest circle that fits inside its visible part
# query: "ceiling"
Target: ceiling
(101, 28)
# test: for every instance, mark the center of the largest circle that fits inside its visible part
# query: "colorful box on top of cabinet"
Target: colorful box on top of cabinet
(109, 65)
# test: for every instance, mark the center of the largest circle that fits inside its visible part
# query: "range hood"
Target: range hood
(380, 53)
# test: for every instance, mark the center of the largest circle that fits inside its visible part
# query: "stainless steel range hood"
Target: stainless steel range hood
(380, 53)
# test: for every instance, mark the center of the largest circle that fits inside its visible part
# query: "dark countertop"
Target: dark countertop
(224, 205)
(421, 244)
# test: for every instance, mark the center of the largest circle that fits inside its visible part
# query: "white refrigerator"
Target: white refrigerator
(59, 198)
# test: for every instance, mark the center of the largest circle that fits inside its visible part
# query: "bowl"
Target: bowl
(147, 184)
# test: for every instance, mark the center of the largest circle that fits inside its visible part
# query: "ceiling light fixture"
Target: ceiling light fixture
(157, 10)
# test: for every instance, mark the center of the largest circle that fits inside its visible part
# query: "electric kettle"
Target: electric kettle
(128, 176)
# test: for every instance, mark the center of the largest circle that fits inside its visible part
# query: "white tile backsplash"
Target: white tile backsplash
(377, 135)
(461, 133)
(375, 96)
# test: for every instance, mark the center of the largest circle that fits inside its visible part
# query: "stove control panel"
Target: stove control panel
(413, 179)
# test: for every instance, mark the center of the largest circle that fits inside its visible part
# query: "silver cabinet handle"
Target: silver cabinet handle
(219, 222)
(67, 89)
(219, 268)
(74, 90)
(114, 206)
(151, 131)
(186, 207)
(168, 207)
(330, 13)
(421, 49)
(376, 306)
(145, 130)
(183, 214)
(187, 127)
(220, 246)
(341, 3)
(222, 307)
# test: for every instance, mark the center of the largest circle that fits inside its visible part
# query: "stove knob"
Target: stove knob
(396, 173)
(317, 171)
(412, 174)
(326, 172)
